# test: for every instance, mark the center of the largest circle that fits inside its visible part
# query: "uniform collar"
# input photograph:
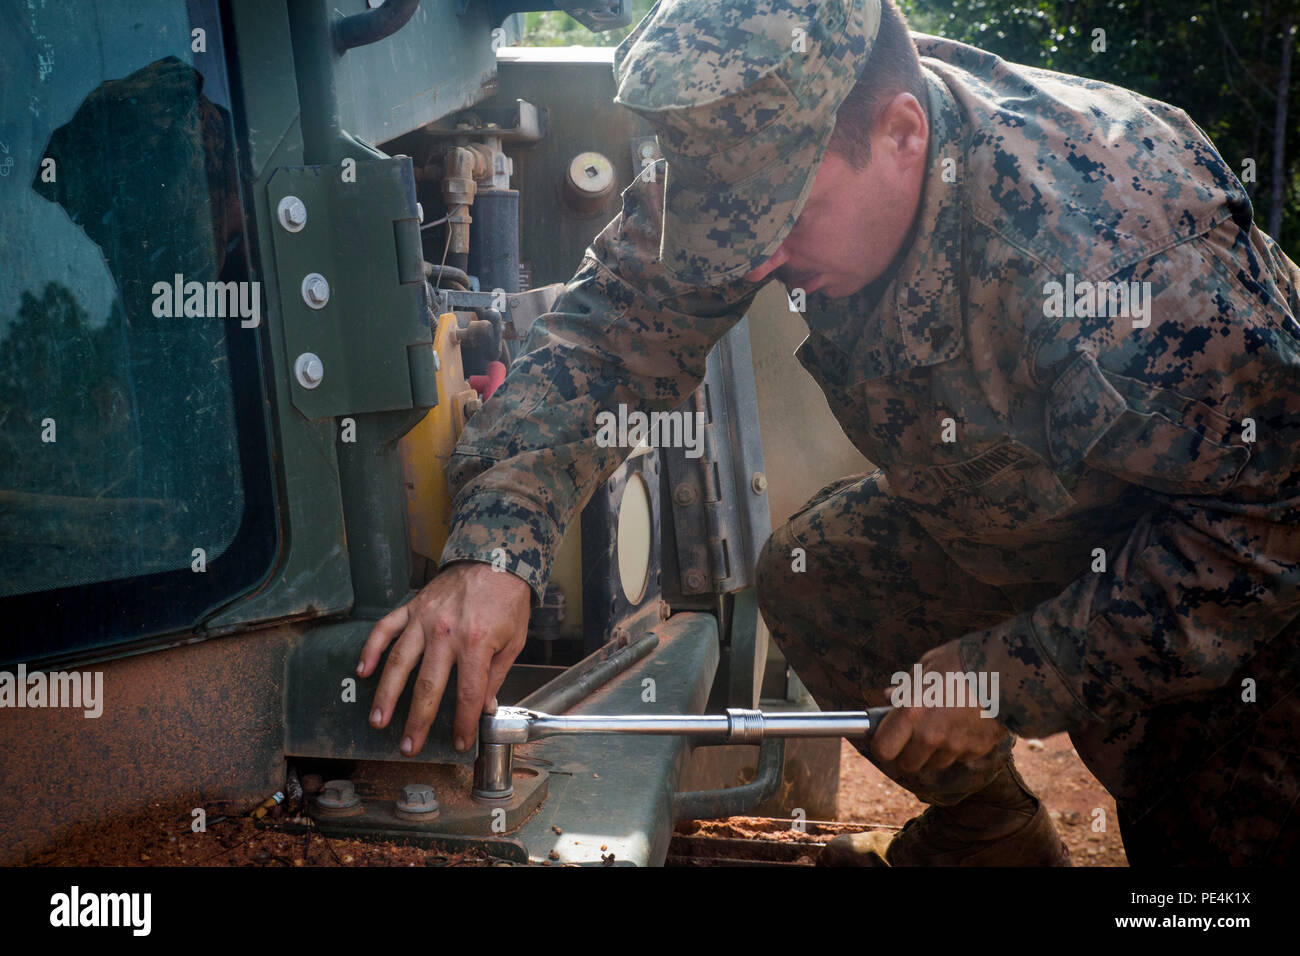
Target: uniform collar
(912, 316)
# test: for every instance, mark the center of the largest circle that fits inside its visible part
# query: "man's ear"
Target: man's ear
(905, 128)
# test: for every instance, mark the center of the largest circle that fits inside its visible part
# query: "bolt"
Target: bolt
(419, 211)
(473, 405)
(758, 483)
(684, 494)
(437, 361)
(647, 150)
(338, 795)
(315, 290)
(664, 611)
(417, 798)
(309, 370)
(694, 581)
(292, 213)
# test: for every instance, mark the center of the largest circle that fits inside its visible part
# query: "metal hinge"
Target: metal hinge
(349, 270)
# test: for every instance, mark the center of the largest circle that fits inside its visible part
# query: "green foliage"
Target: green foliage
(1217, 60)
(560, 29)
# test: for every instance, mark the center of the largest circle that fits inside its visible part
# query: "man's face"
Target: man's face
(855, 220)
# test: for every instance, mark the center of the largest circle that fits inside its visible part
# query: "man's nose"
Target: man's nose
(778, 259)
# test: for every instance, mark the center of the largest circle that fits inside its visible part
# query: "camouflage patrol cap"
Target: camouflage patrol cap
(743, 95)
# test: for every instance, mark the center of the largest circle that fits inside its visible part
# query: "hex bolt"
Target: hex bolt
(684, 494)
(694, 581)
(472, 406)
(647, 150)
(292, 213)
(338, 795)
(315, 290)
(309, 370)
(758, 483)
(417, 798)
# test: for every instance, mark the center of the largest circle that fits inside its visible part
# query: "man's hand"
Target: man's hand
(932, 738)
(469, 616)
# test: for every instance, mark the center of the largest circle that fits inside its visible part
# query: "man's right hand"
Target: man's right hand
(469, 616)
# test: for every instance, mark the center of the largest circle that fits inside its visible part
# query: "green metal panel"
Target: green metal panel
(439, 62)
(362, 332)
(313, 576)
(616, 790)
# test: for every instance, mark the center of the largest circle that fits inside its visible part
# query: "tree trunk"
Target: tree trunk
(1277, 197)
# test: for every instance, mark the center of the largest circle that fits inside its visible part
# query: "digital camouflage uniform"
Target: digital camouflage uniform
(1171, 447)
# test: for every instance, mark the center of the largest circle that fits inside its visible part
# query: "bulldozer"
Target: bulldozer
(261, 261)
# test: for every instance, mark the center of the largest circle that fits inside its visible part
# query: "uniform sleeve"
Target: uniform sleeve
(622, 332)
(1201, 408)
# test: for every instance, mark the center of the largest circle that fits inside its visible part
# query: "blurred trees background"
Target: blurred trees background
(1232, 66)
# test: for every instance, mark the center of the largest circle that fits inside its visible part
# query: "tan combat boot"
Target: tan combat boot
(1002, 825)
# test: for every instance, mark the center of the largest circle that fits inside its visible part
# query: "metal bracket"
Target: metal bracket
(520, 124)
(370, 333)
(720, 510)
(521, 308)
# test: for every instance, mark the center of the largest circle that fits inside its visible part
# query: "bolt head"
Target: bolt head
(684, 494)
(338, 795)
(292, 213)
(315, 290)
(417, 798)
(309, 370)
(694, 581)
(758, 483)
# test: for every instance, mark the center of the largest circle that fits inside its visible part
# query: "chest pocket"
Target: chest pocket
(1145, 435)
(1003, 490)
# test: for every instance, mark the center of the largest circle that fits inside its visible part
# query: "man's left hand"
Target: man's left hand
(932, 738)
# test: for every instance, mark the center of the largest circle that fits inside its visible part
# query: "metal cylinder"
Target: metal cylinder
(493, 773)
(494, 240)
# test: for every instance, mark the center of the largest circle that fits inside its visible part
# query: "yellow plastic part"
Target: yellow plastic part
(427, 447)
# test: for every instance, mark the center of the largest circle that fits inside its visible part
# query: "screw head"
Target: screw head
(309, 370)
(292, 213)
(417, 798)
(647, 150)
(338, 795)
(684, 494)
(758, 483)
(694, 581)
(315, 290)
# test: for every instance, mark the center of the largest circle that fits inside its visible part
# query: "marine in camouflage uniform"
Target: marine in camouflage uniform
(1104, 508)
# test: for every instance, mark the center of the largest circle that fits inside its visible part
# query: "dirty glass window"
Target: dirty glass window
(125, 306)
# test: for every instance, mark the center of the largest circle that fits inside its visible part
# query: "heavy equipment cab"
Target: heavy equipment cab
(261, 261)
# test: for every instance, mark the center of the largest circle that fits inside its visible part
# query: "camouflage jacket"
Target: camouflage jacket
(1085, 368)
